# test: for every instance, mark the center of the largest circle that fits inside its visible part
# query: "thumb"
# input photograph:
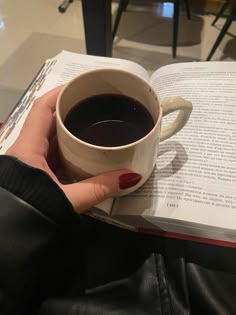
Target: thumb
(90, 192)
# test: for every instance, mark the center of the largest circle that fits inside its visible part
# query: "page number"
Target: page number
(172, 205)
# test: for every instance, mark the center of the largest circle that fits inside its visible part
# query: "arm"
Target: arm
(38, 212)
(34, 237)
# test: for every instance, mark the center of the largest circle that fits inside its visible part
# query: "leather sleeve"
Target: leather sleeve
(34, 241)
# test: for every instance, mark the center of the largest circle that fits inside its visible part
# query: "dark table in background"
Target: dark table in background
(98, 27)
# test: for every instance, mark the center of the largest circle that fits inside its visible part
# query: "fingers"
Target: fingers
(40, 118)
(90, 192)
(40, 123)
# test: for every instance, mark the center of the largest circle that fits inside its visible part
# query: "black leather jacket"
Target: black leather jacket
(53, 261)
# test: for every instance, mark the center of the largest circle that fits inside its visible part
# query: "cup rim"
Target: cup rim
(97, 147)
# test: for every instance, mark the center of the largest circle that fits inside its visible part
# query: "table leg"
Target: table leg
(98, 27)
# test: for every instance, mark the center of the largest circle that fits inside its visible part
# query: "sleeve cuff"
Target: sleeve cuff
(36, 188)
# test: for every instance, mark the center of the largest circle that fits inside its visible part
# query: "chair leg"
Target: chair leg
(187, 7)
(219, 14)
(175, 27)
(126, 2)
(122, 4)
(62, 8)
(221, 35)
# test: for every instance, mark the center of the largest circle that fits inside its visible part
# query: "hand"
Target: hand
(37, 147)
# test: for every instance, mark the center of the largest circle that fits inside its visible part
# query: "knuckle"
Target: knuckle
(100, 191)
(38, 101)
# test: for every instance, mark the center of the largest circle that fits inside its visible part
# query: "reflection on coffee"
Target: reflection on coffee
(109, 120)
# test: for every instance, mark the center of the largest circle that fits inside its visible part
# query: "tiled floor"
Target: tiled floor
(32, 31)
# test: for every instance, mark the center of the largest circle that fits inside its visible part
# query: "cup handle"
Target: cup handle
(169, 105)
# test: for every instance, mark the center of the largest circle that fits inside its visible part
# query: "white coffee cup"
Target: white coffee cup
(82, 159)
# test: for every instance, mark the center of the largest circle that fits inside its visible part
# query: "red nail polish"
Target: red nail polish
(129, 180)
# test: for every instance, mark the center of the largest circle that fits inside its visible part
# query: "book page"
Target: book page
(56, 71)
(69, 65)
(195, 175)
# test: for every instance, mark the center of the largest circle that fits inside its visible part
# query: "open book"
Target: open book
(192, 191)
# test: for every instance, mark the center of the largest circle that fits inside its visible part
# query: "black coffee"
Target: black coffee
(109, 120)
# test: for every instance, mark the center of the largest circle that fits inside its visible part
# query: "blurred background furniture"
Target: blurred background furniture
(221, 11)
(123, 6)
(97, 27)
(62, 7)
(231, 4)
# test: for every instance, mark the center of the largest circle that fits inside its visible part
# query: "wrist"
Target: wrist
(35, 187)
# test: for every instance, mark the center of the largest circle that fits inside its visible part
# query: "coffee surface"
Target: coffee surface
(109, 120)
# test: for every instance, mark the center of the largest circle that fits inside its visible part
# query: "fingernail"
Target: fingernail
(129, 180)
